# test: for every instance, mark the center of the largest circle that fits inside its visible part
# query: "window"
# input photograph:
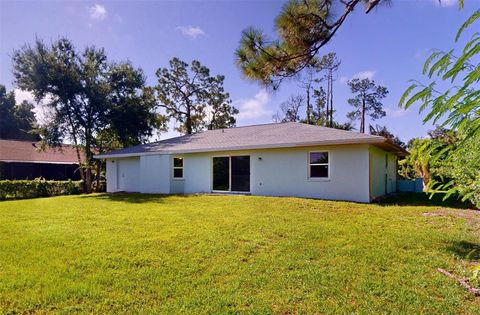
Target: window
(178, 167)
(318, 165)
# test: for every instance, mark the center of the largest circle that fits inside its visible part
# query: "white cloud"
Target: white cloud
(253, 108)
(98, 12)
(446, 3)
(191, 31)
(39, 109)
(367, 74)
(395, 112)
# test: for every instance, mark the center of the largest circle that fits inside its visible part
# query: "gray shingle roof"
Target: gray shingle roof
(250, 137)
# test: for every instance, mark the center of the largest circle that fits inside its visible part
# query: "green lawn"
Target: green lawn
(231, 254)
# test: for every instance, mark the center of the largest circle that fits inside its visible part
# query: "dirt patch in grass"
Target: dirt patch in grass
(472, 217)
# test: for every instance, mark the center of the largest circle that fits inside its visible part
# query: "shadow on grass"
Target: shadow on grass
(132, 197)
(464, 250)
(422, 199)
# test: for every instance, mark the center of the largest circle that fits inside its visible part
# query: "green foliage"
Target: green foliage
(303, 28)
(448, 164)
(87, 96)
(458, 106)
(24, 189)
(193, 98)
(367, 100)
(17, 121)
(384, 132)
(154, 254)
(462, 168)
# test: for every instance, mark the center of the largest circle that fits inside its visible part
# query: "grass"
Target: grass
(230, 254)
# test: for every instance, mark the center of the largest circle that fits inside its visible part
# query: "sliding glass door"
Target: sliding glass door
(221, 173)
(231, 173)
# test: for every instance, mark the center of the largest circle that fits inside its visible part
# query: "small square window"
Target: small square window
(319, 171)
(177, 167)
(177, 162)
(318, 157)
(318, 165)
(178, 173)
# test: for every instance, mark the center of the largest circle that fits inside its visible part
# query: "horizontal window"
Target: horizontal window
(318, 165)
(178, 167)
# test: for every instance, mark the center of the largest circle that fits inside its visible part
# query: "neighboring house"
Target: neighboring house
(285, 159)
(25, 160)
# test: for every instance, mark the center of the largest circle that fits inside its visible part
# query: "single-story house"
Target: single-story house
(281, 159)
(25, 160)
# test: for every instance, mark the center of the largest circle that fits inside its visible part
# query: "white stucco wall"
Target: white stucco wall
(382, 171)
(111, 175)
(284, 172)
(274, 172)
(123, 174)
(155, 174)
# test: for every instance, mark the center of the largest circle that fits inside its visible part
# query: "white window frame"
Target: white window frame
(178, 167)
(309, 164)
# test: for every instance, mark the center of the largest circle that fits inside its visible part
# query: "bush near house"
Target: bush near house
(24, 189)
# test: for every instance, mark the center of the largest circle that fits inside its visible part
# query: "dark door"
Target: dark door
(221, 173)
(240, 173)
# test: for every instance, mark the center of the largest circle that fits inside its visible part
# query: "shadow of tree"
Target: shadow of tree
(464, 250)
(423, 199)
(132, 197)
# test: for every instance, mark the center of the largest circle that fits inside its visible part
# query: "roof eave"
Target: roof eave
(251, 147)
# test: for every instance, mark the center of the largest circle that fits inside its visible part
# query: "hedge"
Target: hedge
(23, 189)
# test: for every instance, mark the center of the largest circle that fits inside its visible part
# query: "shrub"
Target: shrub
(23, 189)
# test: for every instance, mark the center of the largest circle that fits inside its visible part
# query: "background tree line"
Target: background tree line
(99, 105)
(304, 27)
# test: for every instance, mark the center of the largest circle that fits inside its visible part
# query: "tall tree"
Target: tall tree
(367, 100)
(85, 97)
(303, 28)
(319, 113)
(190, 95)
(131, 114)
(290, 109)
(329, 64)
(17, 121)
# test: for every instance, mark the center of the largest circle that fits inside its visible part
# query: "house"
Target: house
(25, 160)
(283, 159)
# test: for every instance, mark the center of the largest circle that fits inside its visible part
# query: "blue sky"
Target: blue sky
(388, 45)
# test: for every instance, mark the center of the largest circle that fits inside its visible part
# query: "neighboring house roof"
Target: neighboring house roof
(277, 135)
(28, 151)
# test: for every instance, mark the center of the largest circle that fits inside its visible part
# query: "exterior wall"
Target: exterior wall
(383, 168)
(123, 174)
(274, 172)
(111, 175)
(154, 174)
(146, 174)
(284, 172)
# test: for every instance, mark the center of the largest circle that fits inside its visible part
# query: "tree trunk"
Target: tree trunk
(331, 97)
(308, 106)
(327, 113)
(188, 121)
(362, 121)
(99, 169)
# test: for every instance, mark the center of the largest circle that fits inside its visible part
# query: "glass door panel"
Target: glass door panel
(221, 173)
(240, 173)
